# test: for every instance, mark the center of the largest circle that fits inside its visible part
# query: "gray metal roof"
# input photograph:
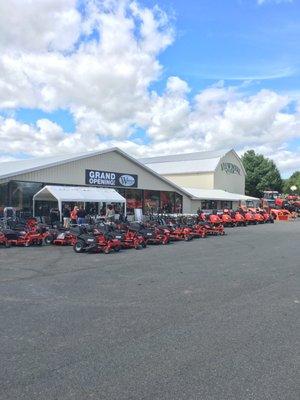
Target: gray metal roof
(11, 168)
(200, 162)
(200, 155)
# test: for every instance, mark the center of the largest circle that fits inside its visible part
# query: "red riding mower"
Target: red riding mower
(3, 240)
(65, 238)
(238, 218)
(227, 219)
(180, 233)
(155, 234)
(94, 240)
(107, 242)
(250, 218)
(199, 231)
(212, 224)
(258, 216)
(267, 217)
(130, 237)
(23, 238)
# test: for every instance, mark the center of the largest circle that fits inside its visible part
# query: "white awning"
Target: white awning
(217, 194)
(83, 194)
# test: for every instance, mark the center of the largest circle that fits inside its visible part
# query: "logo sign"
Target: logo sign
(110, 179)
(230, 168)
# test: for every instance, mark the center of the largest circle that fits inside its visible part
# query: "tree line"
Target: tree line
(263, 174)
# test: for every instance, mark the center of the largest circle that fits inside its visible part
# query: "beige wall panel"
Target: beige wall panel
(186, 205)
(73, 173)
(196, 204)
(199, 181)
(233, 183)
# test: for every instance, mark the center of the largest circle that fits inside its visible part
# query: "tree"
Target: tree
(262, 174)
(293, 180)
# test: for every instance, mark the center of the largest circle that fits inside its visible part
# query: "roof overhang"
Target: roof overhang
(217, 194)
(81, 194)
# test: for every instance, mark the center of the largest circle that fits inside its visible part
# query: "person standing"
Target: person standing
(73, 215)
(81, 216)
(67, 216)
(110, 213)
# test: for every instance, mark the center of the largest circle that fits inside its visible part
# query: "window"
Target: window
(178, 203)
(151, 201)
(134, 199)
(21, 194)
(3, 197)
(226, 204)
(209, 204)
(167, 202)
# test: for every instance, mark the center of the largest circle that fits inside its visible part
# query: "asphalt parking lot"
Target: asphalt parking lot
(212, 319)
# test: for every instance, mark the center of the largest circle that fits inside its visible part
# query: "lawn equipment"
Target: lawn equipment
(226, 219)
(250, 218)
(23, 238)
(106, 240)
(238, 218)
(199, 231)
(281, 215)
(129, 236)
(154, 233)
(212, 224)
(85, 242)
(3, 240)
(266, 216)
(258, 216)
(180, 232)
(65, 238)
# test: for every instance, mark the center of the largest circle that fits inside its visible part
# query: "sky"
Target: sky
(151, 77)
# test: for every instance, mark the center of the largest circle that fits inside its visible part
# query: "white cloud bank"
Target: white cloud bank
(100, 64)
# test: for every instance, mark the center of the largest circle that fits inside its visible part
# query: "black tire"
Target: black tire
(144, 245)
(79, 247)
(117, 249)
(48, 240)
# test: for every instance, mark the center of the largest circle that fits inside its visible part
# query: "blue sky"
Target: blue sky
(235, 40)
(248, 49)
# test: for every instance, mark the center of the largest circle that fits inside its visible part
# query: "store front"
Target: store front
(20, 194)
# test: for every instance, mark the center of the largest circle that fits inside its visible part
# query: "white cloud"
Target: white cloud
(260, 2)
(39, 26)
(104, 80)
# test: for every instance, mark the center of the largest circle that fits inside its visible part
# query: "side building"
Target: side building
(216, 178)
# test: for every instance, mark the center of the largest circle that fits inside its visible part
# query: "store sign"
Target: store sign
(230, 168)
(110, 179)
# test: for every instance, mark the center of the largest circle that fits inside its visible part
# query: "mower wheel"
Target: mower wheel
(48, 240)
(144, 245)
(78, 247)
